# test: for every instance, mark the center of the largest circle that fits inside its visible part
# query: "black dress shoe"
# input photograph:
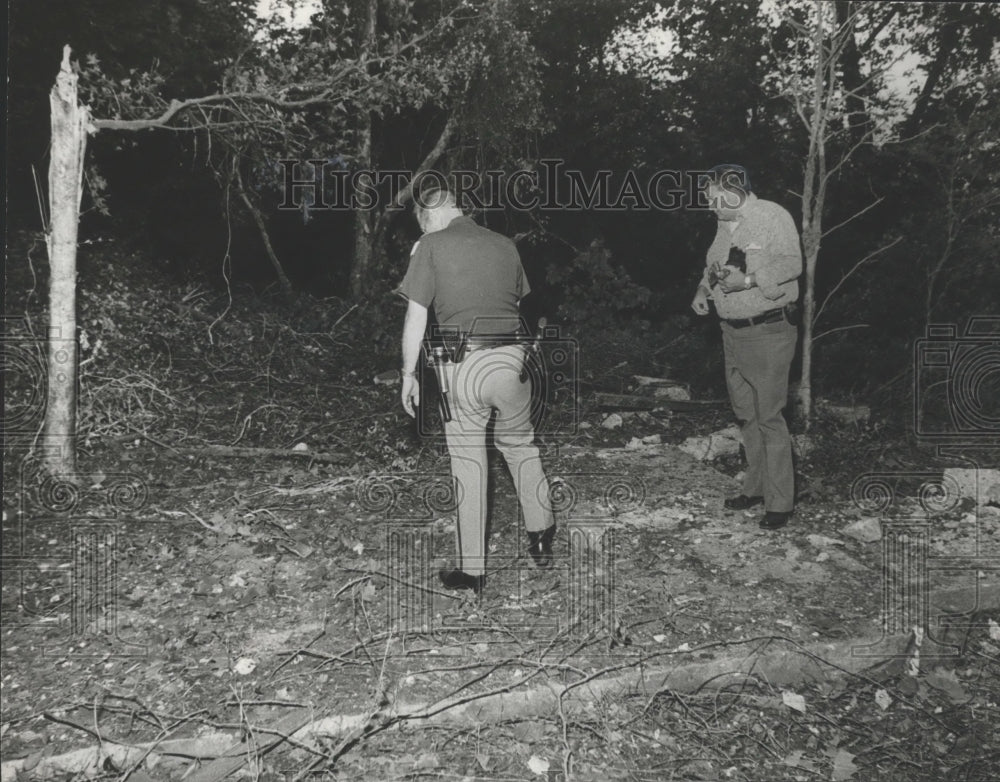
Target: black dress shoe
(540, 546)
(774, 519)
(459, 579)
(743, 502)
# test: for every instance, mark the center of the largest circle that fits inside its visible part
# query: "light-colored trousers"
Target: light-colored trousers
(758, 359)
(488, 380)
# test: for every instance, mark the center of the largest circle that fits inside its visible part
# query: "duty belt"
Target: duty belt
(473, 342)
(771, 316)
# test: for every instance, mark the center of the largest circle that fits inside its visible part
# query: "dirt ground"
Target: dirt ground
(191, 601)
(282, 587)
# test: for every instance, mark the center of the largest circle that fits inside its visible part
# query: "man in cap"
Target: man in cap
(756, 305)
(474, 279)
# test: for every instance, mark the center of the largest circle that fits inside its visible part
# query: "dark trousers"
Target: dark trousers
(758, 360)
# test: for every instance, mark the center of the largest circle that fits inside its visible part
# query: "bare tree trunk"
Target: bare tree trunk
(805, 400)
(812, 217)
(258, 218)
(69, 143)
(361, 269)
(406, 194)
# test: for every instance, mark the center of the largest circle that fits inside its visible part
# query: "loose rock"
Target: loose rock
(722, 443)
(866, 530)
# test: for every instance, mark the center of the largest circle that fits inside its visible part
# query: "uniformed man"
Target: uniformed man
(756, 307)
(474, 279)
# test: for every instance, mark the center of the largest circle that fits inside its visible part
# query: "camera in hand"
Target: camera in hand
(737, 260)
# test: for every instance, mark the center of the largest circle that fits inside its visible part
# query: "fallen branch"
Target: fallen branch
(237, 754)
(606, 401)
(776, 660)
(242, 452)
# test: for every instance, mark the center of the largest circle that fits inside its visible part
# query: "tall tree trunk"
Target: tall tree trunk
(406, 194)
(362, 270)
(813, 193)
(948, 38)
(69, 143)
(805, 399)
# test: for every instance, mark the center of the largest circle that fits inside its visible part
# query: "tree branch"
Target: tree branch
(851, 271)
(860, 212)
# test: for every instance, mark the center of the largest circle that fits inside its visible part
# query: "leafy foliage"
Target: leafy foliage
(596, 290)
(603, 85)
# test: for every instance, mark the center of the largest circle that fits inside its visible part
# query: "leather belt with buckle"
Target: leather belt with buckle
(771, 316)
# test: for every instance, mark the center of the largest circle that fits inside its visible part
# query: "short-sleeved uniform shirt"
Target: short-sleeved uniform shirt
(472, 275)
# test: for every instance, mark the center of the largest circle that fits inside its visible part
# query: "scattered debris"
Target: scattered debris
(644, 380)
(538, 765)
(945, 680)
(242, 452)
(388, 378)
(638, 443)
(607, 401)
(793, 701)
(802, 445)
(821, 541)
(844, 414)
(843, 765)
(722, 443)
(677, 393)
(612, 421)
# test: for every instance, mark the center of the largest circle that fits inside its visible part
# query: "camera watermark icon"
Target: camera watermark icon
(26, 363)
(533, 385)
(409, 507)
(591, 503)
(956, 397)
(61, 554)
(908, 507)
(591, 602)
(586, 530)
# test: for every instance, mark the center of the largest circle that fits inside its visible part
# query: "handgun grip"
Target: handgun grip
(445, 408)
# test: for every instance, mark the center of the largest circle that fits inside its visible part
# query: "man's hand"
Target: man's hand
(413, 333)
(700, 302)
(734, 281)
(410, 394)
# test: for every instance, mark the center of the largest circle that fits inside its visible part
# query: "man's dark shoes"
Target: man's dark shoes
(743, 502)
(540, 546)
(774, 519)
(459, 579)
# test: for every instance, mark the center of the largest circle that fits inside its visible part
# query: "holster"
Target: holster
(438, 359)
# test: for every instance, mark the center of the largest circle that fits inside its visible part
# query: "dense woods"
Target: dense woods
(623, 88)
